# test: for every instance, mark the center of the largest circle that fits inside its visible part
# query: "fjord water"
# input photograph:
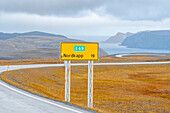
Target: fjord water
(115, 48)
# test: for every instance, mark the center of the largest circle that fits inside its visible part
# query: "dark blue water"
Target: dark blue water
(114, 48)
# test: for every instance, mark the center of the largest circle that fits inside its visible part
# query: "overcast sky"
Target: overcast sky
(84, 17)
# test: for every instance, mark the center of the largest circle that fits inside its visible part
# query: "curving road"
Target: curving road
(15, 100)
(121, 55)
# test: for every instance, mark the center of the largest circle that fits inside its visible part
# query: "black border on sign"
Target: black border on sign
(82, 43)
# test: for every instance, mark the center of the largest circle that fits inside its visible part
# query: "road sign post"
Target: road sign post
(67, 80)
(90, 84)
(79, 51)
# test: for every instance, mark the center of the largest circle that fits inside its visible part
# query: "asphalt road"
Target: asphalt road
(15, 100)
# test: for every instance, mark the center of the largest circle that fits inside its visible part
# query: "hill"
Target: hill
(32, 45)
(5, 36)
(118, 38)
(149, 40)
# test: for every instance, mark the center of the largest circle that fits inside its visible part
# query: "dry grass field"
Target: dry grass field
(129, 88)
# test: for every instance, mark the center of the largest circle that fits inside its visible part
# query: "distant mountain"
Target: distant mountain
(33, 45)
(149, 40)
(4, 36)
(118, 38)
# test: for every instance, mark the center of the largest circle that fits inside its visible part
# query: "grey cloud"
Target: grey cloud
(139, 9)
(49, 7)
(122, 9)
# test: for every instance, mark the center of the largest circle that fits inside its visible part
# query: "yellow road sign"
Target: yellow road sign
(79, 51)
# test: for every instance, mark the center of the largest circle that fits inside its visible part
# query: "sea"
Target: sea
(116, 48)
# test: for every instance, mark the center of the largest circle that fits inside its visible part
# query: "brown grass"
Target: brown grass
(132, 88)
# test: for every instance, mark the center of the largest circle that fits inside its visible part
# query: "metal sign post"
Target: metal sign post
(67, 80)
(90, 84)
